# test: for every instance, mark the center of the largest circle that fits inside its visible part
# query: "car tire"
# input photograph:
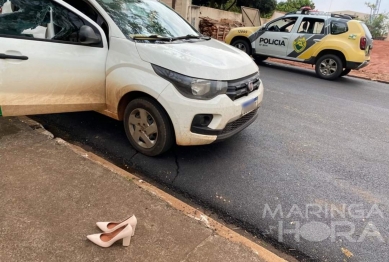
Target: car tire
(345, 72)
(260, 58)
(242, 45)
(148, 127)
(329, 67)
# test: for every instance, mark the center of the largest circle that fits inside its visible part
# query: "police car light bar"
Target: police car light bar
(307, 10)
(316, 12)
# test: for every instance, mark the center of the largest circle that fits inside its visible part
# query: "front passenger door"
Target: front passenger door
(274, 40)
(44, 67)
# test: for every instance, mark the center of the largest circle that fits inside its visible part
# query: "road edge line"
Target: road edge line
(175, 203)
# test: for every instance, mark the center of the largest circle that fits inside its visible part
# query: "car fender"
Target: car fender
(240, 32)
(338, 45)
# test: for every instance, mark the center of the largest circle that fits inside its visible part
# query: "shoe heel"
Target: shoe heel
(126, 241)
(133, 230)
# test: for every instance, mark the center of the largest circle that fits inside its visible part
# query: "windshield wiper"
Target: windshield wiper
(152, 37)
(191, 37)
(170, 39)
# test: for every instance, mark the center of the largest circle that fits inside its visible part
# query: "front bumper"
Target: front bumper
(227, 116)
(230, 129)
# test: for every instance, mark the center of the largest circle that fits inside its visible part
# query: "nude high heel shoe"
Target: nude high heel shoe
(107, 239)
(112, 226)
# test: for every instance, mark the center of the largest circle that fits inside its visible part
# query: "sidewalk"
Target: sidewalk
(51, 198)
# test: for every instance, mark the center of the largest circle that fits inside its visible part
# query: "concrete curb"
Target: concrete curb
(177, 204)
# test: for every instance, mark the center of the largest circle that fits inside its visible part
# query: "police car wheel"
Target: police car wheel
(329, 67)
(345, 72)
(242, 45)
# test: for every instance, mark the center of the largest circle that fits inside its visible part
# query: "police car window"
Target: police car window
(282, 25)
(311, 26)
(39, 19)
(338, 27)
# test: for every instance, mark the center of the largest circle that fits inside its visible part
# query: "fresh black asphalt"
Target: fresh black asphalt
(316, 145)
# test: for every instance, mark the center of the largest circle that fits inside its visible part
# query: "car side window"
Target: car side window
(86, 8)
(282, 25)
(40, 19)
(338, 27)
(311, 26)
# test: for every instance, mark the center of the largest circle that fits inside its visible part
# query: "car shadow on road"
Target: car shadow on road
(106, 137)
(352, 81)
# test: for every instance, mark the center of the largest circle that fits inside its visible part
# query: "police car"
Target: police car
(335, 44)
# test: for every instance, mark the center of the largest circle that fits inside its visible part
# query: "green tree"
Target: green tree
(372, 8)
(293, 5)
(264, 6)
(231, 6)
(378, 25)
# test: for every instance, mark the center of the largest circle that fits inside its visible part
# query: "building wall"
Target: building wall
(192, 13)
(181, 6)
(276, 14)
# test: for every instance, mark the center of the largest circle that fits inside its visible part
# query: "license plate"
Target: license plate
(249, 106)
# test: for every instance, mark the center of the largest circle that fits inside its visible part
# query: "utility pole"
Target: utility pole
(377, 8)
(329, 10)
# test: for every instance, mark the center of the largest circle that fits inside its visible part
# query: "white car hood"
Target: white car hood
(209, 59)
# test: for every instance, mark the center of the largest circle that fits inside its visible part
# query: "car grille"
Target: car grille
(238, 123)
(241, 87)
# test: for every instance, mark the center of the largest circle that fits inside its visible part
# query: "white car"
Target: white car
(132, 60)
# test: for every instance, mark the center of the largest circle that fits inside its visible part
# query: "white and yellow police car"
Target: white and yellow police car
(335, 44)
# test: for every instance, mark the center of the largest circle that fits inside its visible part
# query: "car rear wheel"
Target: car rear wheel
(329, 67)
(345, 72)
(148, 127)
(242, 45)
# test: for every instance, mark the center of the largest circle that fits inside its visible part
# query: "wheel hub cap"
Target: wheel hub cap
(328, 67)
(241, 47)
(143, 128)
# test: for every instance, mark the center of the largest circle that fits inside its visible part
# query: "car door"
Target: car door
(305, 39)
(275, 37)
(44, 67)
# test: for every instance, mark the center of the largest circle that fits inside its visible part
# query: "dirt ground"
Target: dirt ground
(377, 70)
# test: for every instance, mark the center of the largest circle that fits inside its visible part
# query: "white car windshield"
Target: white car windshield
(146, 18)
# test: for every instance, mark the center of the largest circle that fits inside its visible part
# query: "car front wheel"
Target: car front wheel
(329, 67)
(242, 45)
(148, 127)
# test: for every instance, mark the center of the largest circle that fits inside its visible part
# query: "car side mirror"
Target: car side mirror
(87, 36)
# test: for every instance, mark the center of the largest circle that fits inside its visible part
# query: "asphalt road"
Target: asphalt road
(319, 151)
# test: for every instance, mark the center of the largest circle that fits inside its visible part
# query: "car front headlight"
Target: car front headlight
(190, 87)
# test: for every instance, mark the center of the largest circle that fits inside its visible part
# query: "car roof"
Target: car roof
(320, 15)
(310, 16)
(324, 17)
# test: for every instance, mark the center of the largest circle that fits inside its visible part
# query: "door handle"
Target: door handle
(22, 57)
(285, 37)
(317, 40)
